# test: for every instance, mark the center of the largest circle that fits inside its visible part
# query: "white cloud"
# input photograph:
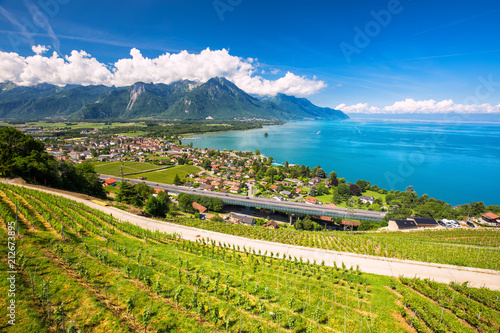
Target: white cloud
(430, 106)
(40, 49)
(81, 68)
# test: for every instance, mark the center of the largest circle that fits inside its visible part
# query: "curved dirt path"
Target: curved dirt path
(369, 264)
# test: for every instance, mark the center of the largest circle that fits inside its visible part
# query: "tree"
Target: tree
(143, 190)
(344, 191)
(322, 189)
(257, 152)
(334, 182)
(88, 181)
(177, 180)
(409, 188)
(216, 204)
(128, 195)
(306, 224)
(336, 197)
(303, 171)
(389, 197)
(207, 164)
(23, 156)
(271, 172)
(156, 207)
(354, 189)
(333, 175)
(163, 197)
(186, 202)
(477, 208)
(313, 191)
(363, 185)
(320, 172)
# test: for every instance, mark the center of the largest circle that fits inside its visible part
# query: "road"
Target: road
(369, 264)
(287, 206)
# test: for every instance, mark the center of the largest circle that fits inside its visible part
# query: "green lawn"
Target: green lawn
(376, 195)
(167, 176)
(326, 199)
(113, 168)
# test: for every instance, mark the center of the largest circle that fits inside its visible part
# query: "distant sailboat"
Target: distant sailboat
(319, 132)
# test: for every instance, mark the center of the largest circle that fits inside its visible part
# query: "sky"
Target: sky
(377, 56)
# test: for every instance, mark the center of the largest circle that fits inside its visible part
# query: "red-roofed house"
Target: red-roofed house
(110, 182)
(355, 224)
(491, 218)
(312, 200)
(199, 207)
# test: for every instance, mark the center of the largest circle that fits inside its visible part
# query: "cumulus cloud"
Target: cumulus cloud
(81, 68)
(430, 106)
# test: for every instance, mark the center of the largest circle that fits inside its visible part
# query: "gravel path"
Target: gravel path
(369, 264)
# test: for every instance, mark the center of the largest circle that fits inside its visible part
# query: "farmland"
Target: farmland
(114, 168)
(84, 270)
(462, 247)
(142, 169)
(167, 176)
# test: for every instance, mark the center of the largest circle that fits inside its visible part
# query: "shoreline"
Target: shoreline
(280, 159)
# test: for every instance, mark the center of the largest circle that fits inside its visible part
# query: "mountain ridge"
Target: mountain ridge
(217, 99)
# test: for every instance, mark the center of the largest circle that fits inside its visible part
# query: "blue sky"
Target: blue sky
(424, 50)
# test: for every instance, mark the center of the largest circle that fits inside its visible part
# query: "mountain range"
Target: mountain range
(217, 99)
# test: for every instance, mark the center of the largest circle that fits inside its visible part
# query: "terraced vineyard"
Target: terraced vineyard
(462, 247)
(80, 269)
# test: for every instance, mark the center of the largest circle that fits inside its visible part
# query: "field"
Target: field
(167, 176)
(80, 269)
(113, 168)
(462, 247)
(76, 125)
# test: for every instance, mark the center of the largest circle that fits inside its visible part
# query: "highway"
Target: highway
(284, 206)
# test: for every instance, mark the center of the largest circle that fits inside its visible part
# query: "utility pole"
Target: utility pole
(349, 212)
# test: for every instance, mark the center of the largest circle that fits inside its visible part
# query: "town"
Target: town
(253, 175)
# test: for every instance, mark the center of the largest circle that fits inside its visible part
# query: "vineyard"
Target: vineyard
(462, 247)
(82, 270)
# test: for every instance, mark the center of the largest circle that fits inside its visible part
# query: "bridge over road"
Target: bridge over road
(265, 203)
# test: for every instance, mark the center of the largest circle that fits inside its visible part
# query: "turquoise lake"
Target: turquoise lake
(455, 161)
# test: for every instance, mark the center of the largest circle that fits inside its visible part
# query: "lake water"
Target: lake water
(457, 161)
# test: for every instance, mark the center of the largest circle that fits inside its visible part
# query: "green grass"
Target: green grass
(167, 176)
(376, 195)
(325, 199)
(113, 168)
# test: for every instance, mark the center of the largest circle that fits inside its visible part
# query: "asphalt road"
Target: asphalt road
(369, 264)
(316, 209)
